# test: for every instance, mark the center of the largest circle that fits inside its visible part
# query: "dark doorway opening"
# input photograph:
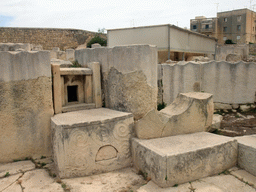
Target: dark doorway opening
(72, 93)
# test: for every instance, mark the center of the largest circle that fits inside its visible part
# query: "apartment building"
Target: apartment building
(237, 25)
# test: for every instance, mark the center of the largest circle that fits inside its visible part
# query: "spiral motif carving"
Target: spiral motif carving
(121, 131)
(78, 138)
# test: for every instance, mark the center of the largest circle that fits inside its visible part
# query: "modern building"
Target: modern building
(173, 42)
(236, 25)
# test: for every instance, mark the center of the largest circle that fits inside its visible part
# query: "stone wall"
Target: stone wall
(47, 37)
(233, 83)
(129, 76)
(223, 51)
(25, 105)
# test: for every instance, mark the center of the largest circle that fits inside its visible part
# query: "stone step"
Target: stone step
(183, 158)
(91, 141)
(247, 153)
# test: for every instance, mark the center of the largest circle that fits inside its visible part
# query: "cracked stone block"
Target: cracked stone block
(16, 167)
(189, 113)
(8, 181)
(92, 141)
(179, 159)
(247, 153)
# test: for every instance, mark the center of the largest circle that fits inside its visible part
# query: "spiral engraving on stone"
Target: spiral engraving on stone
(103, 134)
(121, 131)
(125, 149)
(78, 160)
(78, 138)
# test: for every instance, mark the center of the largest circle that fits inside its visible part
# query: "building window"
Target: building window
(194, 27)
(225, 19)
(239, 18)
(206, 26)
(238, 37)
(225, 29)
(238, 27)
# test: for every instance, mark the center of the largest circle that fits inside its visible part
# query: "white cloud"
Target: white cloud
(91, 15)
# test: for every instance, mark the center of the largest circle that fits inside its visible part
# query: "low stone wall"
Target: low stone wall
(47, 37)
(233, 83)
(129, 76)
(25, 105)
(241, 51)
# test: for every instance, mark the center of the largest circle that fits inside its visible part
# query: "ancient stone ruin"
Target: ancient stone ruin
(101, 115)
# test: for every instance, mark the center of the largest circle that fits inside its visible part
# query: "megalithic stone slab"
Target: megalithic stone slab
(247, 153)
(189, 113)
(92, 141)
(179, 159)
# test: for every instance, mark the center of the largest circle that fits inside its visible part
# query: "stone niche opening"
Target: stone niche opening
(76, 88)
(72, 93)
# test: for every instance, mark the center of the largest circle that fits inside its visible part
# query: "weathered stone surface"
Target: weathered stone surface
(91, 141)
(232, 83)
(121, 180)
(247, 153)
(221, 183)
(15, 46)
(39, 180)
(245, 177)
(189, 113)
(62, 63)
(16, 167)
(222, 106)
(245, 108)
(8, 181)
(25, 105)
(235, 106)
(216, 121)
(179, 159)
(96, 45)
(70, 54)
(129, 76)
(233, 58)
(15, 187)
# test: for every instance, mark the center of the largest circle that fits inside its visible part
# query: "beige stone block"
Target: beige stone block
(189, 113)
(7, 181)
(96, 84)
(57, 90)
(92, 141)
(88, 91)
(183, 158)
(245, 177)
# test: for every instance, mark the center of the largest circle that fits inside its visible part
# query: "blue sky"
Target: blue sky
(92, 15)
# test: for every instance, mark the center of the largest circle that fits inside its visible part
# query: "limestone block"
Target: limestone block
(96, 45)
(216, 122)
(222, 106)
(189, 113)
(70, 54)
(62, 63)
(179, 159)
(92, 141)
(245, 108)
(247, 153)
(6, 182)
(129, 76)
(15, 46)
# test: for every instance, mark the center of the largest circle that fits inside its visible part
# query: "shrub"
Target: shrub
(97, 39)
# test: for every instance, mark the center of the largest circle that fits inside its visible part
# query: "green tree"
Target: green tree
(98, 39)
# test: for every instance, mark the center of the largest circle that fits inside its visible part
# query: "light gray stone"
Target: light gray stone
(189, 113)
(216, 121)
(245, 108)
(70, 54)
(235, 106)
(245, 177)
(129, 76)
(221, 183)
(16, 167)
(222, 106)
(40, 181)
(247, 153)
(91, 141)
(15, 187)
(15, 46)
(121, 180)
(62, 63)
(96, 45)
(16, 66)
(179, 159)
(8, 181)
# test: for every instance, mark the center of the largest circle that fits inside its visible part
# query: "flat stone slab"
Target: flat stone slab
(39, 180)
(179, 159)
(247, 153)
(91, 141)
(245, 176)
(16, 167)
(126, 180)
(6, 182)
(220, 183)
